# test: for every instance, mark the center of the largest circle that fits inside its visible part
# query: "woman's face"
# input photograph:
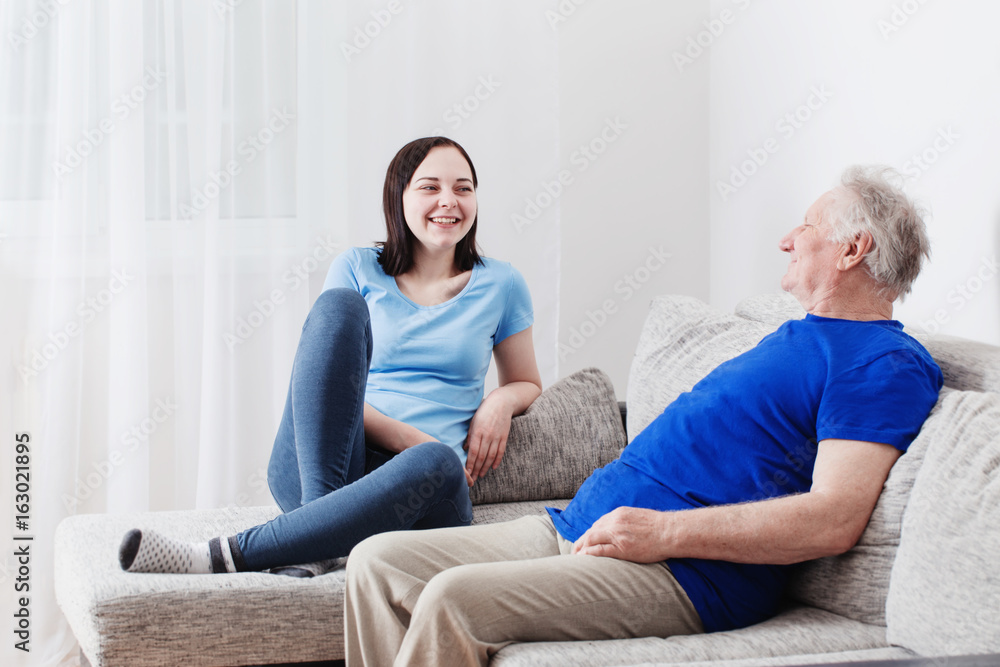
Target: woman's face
(439, 204)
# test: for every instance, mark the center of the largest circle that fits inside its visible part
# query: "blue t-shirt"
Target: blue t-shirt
(749, 431)
(429, 363)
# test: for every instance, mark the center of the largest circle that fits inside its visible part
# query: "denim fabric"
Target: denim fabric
(317, 473)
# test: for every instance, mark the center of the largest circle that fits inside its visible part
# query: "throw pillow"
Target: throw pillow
(774, 308)
(573, 428)
(682, 340)
(944, 594)
(855, 584)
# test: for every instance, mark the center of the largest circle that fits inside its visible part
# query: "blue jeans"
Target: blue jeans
(333, 490)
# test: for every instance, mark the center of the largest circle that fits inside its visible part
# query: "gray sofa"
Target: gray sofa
(922, 580)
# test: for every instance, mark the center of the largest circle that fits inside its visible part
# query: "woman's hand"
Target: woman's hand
(488, 431)
(520, 385)
(395, 436)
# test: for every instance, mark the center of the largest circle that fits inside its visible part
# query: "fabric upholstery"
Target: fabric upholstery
(873, 655)
(681, 341)
(944, 595)
(967, 365)
(131, 619)
(773, 308)
(855, 584)
(499, 512)
(797, 631)
(573, 428)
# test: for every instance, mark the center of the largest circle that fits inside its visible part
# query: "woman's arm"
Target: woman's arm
(520, 384)
(394, 435)
(391, 434)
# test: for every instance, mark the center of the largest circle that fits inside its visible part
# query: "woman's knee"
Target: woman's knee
(439, 482)
(440, 464)
(340, 303)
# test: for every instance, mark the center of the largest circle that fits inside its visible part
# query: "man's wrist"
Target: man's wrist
(667, 533)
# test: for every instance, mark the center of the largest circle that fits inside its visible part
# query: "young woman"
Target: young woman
(385, 426)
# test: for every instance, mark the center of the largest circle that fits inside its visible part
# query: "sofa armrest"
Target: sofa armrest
(573, 428)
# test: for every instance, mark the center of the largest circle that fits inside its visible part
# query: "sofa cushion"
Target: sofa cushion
(772, 308)
(123, 618)
(967, 365)
(500, 512)
(871, 657)
(944, 595)
(681, 341)
(794, 632)
(574, 427)
(144, 620)
(855, 584)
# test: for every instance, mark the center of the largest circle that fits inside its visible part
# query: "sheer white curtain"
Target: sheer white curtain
(175, 177)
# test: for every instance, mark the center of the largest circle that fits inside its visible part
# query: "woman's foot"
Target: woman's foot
(149, 551)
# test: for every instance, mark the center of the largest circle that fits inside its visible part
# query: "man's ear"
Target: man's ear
(854, 252)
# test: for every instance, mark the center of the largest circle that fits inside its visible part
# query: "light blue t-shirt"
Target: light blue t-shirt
(429, 363)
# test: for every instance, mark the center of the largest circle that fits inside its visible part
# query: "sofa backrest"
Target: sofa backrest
(683, 339)
(944, 592)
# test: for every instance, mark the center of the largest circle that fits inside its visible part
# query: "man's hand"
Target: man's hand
(627, 533)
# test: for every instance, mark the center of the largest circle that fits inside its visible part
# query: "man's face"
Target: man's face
(812, 267)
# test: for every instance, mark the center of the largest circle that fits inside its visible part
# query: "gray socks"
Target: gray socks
(149, 551)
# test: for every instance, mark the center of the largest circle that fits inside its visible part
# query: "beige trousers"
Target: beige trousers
(455, 596)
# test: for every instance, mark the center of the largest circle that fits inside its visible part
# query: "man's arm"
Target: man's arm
(828, 520)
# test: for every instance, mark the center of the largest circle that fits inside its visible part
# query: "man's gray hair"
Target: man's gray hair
(873, 204)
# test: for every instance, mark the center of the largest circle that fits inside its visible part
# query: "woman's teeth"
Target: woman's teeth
(445, 221)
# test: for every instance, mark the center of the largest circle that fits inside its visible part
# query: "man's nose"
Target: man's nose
(787, 242)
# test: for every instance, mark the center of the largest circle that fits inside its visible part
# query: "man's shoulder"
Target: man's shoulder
(858, 343)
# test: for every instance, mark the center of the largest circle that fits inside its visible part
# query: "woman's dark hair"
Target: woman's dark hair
(396, 256)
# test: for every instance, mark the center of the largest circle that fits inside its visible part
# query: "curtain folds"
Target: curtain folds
(175, 177)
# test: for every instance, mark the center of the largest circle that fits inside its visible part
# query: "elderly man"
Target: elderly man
(677, 535)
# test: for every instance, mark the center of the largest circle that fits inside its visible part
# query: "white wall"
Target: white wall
(647, 194)
(903, 79)
(908, 83)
